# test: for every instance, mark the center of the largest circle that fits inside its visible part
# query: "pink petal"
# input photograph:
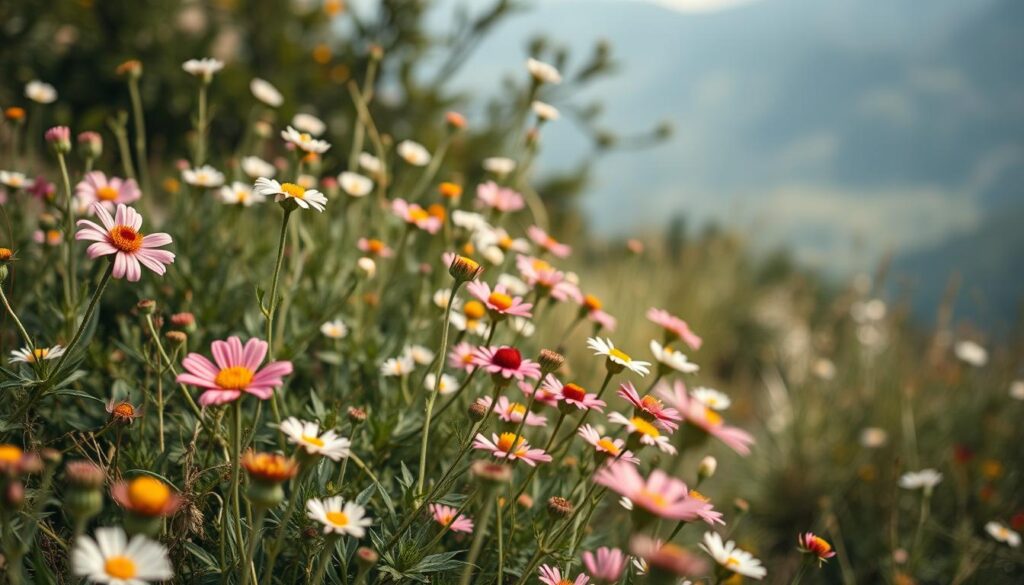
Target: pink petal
(104, 215)
(261, 392)
(221, 355)
(120, 265)
(156, 240)
(199, 365)
(100, 249)
(211, 397)
(254, 352)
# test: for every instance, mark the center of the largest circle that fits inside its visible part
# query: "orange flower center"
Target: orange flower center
(474, 310)
(699, 496)
(592, 303)
(505, 443)
(821, 547)
(375, 246)
(608, 445)
(653, 498)
(125, 239)
(234, 378)
(644, 428)
(148, 495)
(124, 410)
(120, 568)
(436, 210)
(268, 466)
(651, 403)
(293, 190)
(712, 418)
(505, 242)
(500, 300)
(417, 214)
(10, 454)
(106, 193)
(337, 518)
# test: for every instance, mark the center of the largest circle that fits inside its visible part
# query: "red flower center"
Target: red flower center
(507, 358)
(125, 239)
(573, 392)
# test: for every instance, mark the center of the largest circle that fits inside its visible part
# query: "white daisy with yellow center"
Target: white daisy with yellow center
(334, 329)
(397, 367)
(711, 398)
(205, 176)
(1003, 534)
(676, 360)
(448, 383)
(734, 559)
(301, 196)
(338, 516)
(616, 356)
(239, 193)
(31, 356)
(13, 179)
(111, 558)
(413, 153)
(40, 92)
(647, 432)
(354, 184)
(305, 141)
(307, 435)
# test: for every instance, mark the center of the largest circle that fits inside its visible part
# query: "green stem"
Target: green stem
(140, 135)
(69, 237)
(478, 540)
(247, 569)
(325, 559)
(443, 354)
(93, 303)
(236, 452)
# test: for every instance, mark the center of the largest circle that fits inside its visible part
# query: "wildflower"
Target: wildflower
(704, 418)
(617, 360)
(13, 461)
(205, 177)
(711, 398)
(461, 357)
(95, 187)
(83, 497)
(370, 163)
(674, 327)
(419, 354)
(660, 495)
(374, 247)
(39, 354)
(413, 214)
(548, 243)
(448, 383)
(670, 358)
(13, 179)
(367, 266)
(355, 184)
(449, 190)
(543, 72)
(304, 141)
(463, 269)
(707, 467)
(810, 543)
(15, 114)
(40, 92)
(1003, 534)
(650, 408)
(544, 112)
(971, 353)
(498, 302)
(546, 394)
(203, 68)
(732, 558)
(338, 516)
(397, 367)
(237, 370)
(146, 496)
(121, 237)
(498, 198)
(550, 360)
(290, 192)
(334, 329)
(307, 435)
(605, 565)
(654, 556)
(553, 576)
(239, 193)
(185, 320)
(446, 516)
(122, 412)
(606, 446)
(538, 273)
(502, 447)
(256, 167)
(267, 471)
(873, 437)
(574, 395)
(308, 123)
(513, 412)
(265, 92)
(925, 479)
(413, 153)
(646, 433)
(455, 120)
(506, 362)
(112, 558)
(59, 139)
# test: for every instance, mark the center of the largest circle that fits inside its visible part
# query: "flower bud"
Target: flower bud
(707, 467)
(366, 557)
(267, 472)
(356, 415)
(549, 361)
(177, 337)
(15, 114)
(83, 498)
(90, 144)
(185, 321)
(463, 269)
(559, 507)
(477, 412)
(59, 138)
(456, 121)
(146, 306)
(14, 495)
(367, 266)
(131, 68)
(6, 254)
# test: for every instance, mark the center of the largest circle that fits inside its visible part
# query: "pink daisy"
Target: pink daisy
(660, 494)
(674, 326)
(502, 448)
(537, 272)
(498, 301)
(506, 362)
(237, 370)
(547, 392)
(614, 448)
(699, 415)
(498, 198)
(95, 187)
(413, 214)
(607, 565)
(374, 247)
(547, 243)
(575, 395)
(553, 576)
(651, 408)
(461, 357)
(120, 236)
(513, 412)
(446, 516)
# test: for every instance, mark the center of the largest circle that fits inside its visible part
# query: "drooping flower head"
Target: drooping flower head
(448, 516)
(674, 327)
(112, 559)
(506, 446)
(499, 302)
(234, 371)
(703, 417)
(659, 495)
(121, 237)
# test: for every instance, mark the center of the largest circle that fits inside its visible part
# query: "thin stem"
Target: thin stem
(140, 135)
(93, 303)
(69, 240)
(246, 569)
(443, 355)
(21, 327)
(236, 452)
(324, 561)
(478, 541)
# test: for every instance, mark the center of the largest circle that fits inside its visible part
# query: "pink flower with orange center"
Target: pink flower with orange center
(374, 247)
(506, 362)
(704, 418)
(553, 576)
(537, 272)
(651, 408)
(548, 243)
(506, 446)
(498, 301)
(660, 494)
(503, 199)
(547, 392)
(413, 214)
(96, 187)
(446, 516)
(513, 412)
(146, 496)
(674, 327)
(614, 448)
(811, 543)
(575, 395)
(235, 370)
(121, 237)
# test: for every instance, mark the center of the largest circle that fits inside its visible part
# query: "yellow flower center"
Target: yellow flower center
(243, 196)
(500, 300)
(474, 310)
(39, 354)
(618, 353)
(654, 498)
(120, 568)
(712, 418)
(608, 445)
(822, 547)
(106, 193)
(699, 496)
(125, 238)
(445, 519)
(337, 518)
(305, 137)
(541, 266)
(505, 242)
(732, 562)
(645, 428)
(316, 441)
(148, 495)
(10, 454)
(516, 409)
(505, 443)
(293, 190)
(418, 214)
(234, 378)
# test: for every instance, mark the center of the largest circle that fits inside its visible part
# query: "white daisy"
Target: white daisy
(971, 353)
(419, 354)
(334, 329)
(514, 285)
(493, 255)
(441, 297)
(309, 123)
(649, 434)
(676, 360)
(24, 355)
(355, 184)
(616, 356)
(470, 221)
(732, 558)
(711, 398)
(306, 181)
(202, 68)
(397, 366)
(522, 326)
(13, 179)
(256, 167)
(873, 437)
(265, 91)
(40, 92)
(305, 141)
(239, 193)
(304, 198)
(544, 111)
(370, 163)
(499, 165)
(925, 479)
(205, 176)
(542, 72)
(475, 326)
(307, 435)
(111, 558)
(339, 517)
(367, 266)
(413, 153)
(1003, 534)
(448, 383)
